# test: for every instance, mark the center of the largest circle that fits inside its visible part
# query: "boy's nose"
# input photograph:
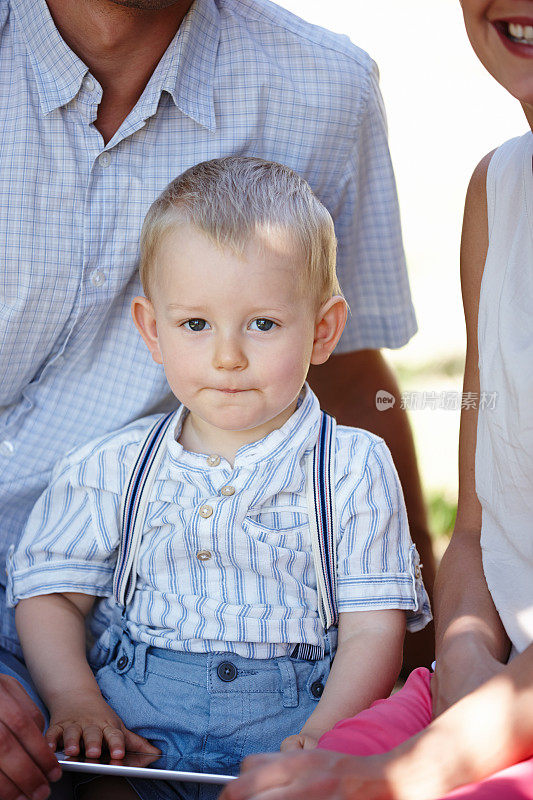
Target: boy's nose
(229, 355)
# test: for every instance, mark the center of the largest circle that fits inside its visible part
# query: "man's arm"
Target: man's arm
(471, 642)
(346, 386)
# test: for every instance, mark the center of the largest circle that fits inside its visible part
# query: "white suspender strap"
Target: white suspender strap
(322, 519)
(134, 507)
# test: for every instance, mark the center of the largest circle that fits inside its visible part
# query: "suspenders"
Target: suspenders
(133, 509)
(321, 507)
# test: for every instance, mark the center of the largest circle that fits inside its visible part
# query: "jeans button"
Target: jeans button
(317, 687)
(227, 671)
(122, 662)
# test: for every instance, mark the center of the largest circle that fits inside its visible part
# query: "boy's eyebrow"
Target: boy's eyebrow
(254, 310)
(188, 309)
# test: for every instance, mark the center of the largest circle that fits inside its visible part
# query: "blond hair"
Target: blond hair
(231, 200)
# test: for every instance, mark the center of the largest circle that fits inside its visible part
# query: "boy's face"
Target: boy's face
(501, 33)
(234, 333)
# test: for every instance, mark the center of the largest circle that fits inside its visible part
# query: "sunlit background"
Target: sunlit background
(445, 112)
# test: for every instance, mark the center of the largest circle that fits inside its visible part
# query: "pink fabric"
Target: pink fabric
(388, 723)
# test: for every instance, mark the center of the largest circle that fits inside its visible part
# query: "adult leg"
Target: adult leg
(387, 723)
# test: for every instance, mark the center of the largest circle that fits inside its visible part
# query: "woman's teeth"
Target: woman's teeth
(520, 33)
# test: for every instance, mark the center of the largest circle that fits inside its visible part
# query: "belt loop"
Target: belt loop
(330, 642)
(125, 654)
(139, 662)
(289, 686)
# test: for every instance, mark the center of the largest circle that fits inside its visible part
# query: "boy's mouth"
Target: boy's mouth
(518, 32)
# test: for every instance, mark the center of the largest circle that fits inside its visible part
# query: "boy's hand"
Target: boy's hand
(300, 741)
(88, 720)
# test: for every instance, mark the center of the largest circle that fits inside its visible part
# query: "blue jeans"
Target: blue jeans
(206, 712)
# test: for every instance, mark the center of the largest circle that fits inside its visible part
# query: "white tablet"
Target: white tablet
(137, 765)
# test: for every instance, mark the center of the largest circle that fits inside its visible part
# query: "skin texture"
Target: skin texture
(235, 346)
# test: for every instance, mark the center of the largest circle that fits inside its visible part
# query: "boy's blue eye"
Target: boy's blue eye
(262, 324)
(196, 325)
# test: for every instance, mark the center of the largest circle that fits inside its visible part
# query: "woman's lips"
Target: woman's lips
(516, 33)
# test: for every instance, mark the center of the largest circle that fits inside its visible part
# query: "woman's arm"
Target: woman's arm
(471, 643)
(488, 730)
(51, 629)
(365, 668)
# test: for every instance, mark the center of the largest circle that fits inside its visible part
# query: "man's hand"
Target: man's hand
(80, 719)
(310, 775)
(26, 762)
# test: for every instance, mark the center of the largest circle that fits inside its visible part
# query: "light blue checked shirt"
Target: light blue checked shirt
(225, 562)
(241, 76)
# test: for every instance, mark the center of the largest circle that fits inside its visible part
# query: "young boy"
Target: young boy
(220, 650)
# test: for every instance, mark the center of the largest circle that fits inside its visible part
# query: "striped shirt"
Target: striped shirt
(225, 562)
(240, 76)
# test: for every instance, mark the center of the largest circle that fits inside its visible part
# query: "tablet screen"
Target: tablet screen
(138, 765)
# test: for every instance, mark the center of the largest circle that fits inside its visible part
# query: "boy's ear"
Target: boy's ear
(330, 322)
(143, 315)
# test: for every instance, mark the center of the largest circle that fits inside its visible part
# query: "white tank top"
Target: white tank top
(504, 453)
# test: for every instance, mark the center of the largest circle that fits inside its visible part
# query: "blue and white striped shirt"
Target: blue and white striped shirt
(241, 76)
(225, 562)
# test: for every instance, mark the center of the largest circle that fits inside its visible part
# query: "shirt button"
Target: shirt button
(203, 555)
(213, 461)
(88, 83)
(104, 159)
(205, 511)
(97, 277)
(227, 491)
(418, 573)
(6, 448)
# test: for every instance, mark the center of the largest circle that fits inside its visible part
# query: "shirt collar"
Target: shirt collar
(293, 439)
(58, 71)
(186, 70)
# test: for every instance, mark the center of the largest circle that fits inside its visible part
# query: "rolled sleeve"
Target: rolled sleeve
(378, 565)
(70, 541)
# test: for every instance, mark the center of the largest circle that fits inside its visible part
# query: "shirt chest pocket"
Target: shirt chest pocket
(278, 527)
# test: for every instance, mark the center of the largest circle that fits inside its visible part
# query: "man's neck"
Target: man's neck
(121, 46)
